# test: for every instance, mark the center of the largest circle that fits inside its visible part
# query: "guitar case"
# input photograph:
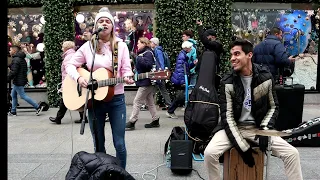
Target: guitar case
(202, 111)
(307, 134)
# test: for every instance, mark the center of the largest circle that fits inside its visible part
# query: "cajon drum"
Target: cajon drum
(235, 169)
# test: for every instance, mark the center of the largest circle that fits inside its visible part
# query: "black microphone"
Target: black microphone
(100, 28)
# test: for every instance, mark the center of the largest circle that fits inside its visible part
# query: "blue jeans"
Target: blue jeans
(14, 95)
(116, 109)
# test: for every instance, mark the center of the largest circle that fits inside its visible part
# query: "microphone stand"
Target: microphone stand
(92, 85)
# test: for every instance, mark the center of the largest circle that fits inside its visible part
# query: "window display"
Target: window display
(300, 36)
(130, 26)
(27, 31)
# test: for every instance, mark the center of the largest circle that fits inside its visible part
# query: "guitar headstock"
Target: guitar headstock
(159, 74)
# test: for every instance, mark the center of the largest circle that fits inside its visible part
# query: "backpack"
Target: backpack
(166, 58)
(177, 133)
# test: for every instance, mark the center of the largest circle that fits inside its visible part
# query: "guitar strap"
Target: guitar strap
(115, 60)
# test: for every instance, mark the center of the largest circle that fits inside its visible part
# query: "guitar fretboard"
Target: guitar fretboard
(114, 81)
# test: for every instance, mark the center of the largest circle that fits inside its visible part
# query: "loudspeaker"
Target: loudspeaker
(291, 99)
(181, 156)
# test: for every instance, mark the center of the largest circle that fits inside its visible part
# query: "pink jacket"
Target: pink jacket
(66, 57)
(85, 53)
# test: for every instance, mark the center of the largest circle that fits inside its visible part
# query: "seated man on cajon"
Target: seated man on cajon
(248, 100)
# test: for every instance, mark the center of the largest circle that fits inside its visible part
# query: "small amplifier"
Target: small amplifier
(181, 156)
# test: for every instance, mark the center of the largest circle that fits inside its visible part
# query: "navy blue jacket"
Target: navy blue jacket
(177, 77)
(272, 53)
(144, 63)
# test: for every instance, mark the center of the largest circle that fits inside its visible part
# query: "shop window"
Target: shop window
(300, 35)
(130, 24)
(27, 31)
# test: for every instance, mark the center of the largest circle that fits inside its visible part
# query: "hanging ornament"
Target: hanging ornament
(246, 34)
(299, 16)
(14, 29)
(23, 18)
(317, 17)
(80, 18)
(23, 29)
(307, 18)
(20, 22)
(40, 47)
(42, 21)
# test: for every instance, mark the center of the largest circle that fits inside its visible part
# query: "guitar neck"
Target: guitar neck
(114, 81)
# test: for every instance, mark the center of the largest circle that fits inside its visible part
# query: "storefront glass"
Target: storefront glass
(299, 34)
(131, 24)
(27, 31)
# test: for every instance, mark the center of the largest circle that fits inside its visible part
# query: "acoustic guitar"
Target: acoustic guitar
(74, 96)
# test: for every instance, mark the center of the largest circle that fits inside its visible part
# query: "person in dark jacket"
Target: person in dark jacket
(248, 101)
(158, 54)
(210, 42)
(177, 77)
(272, 53)
(18, 73)
(144, 63)
(98, 165)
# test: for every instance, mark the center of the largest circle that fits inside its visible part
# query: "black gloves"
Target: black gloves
(247, 157)
(263, 143)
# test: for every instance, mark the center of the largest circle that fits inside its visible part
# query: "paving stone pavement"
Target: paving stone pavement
(41, 150)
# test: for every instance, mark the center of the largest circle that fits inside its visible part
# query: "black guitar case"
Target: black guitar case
(307, 134)
(202, 112)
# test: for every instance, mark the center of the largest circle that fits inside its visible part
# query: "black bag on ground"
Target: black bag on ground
(177, 133)
(202, 112)
(291, 100)
(96, 166)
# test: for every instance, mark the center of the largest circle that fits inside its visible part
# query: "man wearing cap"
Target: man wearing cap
(210, 42)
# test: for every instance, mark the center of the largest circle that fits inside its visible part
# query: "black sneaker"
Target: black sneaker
(12, 113)
(130, 126)
(39, 110)
(144, 108)
(153, 124)
(80, 121)
(55, 120)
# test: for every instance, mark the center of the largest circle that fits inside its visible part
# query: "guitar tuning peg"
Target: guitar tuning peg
(166, 68)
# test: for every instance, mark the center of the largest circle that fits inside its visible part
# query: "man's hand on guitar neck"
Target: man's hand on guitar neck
(83, 82)
(128, 80)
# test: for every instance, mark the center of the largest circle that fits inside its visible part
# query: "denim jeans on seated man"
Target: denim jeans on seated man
(116, 109)
(14, 95)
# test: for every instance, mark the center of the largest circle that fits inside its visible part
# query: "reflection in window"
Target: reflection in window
(299, 36)
(27, 32)
(130, 25)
